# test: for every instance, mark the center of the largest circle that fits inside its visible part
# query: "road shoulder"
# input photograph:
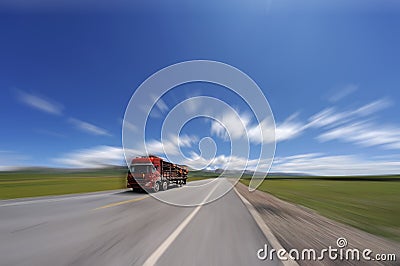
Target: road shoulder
(297, 227)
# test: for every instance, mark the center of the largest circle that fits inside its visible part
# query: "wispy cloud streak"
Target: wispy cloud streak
(95, 157)
(338, 165)
(40, 103)
(88, 127)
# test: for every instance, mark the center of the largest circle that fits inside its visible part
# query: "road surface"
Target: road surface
(127, 228)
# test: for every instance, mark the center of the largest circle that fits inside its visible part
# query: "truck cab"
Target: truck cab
(143, 175)
(153, 173)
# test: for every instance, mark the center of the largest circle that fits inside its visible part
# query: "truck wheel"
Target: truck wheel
(164, 185)
(156, 187)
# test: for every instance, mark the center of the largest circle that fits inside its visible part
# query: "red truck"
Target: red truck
(152, 173)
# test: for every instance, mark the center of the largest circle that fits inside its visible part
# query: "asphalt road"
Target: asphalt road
(127, 228)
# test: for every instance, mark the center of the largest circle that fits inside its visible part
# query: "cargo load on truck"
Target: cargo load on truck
(152, 173)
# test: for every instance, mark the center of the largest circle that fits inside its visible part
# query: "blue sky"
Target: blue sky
(330, 72)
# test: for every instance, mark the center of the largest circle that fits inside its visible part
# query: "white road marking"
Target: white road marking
(265, 229)
(170, 239)
(122, 202)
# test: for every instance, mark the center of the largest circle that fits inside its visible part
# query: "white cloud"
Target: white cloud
(192, 105)
(52, 107)
(326, 117)
(170, 145)
(87, 127)
(357, 126)
(319, 164)
(231, 123)
(93, 157)
(330, 117)
(351, 126)
(372, 107)
(128, 125)
(261, 132)
(240, 125)
(40, 103)
(289, 129)
(195, 161)
(161, 105)
(365, 134)
(313, 163)
(109, 155)
(341, 93)
(285, 130)
(219, 130)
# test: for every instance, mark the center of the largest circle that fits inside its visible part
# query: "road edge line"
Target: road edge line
(265, 229)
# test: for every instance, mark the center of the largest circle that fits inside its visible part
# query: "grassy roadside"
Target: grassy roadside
(372, 206)
(200, 175)
(196, 178)
(22, 184)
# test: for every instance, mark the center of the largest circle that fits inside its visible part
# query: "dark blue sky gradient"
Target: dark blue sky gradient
(91, 58)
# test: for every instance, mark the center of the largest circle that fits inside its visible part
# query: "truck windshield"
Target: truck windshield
(141, 168)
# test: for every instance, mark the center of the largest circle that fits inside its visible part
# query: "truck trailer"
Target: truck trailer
(152, 173)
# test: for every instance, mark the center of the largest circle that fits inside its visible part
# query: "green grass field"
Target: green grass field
(196, 178)
(21, 184)
(200, 175)
(31, 184)
(365, 203)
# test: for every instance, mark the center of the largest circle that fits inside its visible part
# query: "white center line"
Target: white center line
(167, 242)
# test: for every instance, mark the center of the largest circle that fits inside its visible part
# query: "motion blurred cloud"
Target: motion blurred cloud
(347, 90)
(94, 157)
(40, 103)
(337, 165)
(312, 163)
(89, 128)
(365, 134)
